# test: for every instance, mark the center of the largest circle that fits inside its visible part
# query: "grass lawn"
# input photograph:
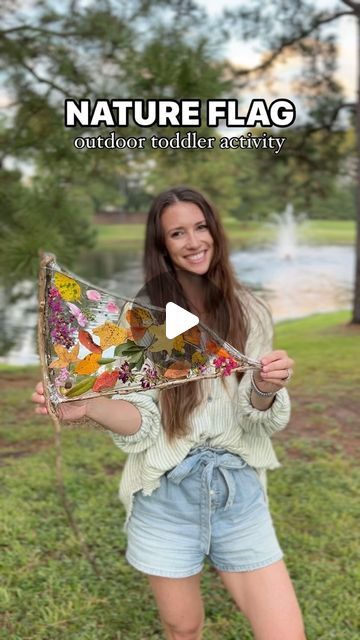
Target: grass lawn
(240, 233)
(49, 591)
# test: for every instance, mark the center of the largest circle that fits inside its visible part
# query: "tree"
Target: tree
(104, 49)
(303, 30)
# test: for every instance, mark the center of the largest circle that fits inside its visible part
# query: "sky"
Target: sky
(249, 52)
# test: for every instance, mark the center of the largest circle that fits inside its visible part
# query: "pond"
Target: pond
(310, 279)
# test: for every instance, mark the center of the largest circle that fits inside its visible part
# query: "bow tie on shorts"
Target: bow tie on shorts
(205, 460)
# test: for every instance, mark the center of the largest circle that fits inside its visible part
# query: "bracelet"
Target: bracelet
(264, 394)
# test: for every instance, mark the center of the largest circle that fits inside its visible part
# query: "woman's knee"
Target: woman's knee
(187, 632)
(180, 606)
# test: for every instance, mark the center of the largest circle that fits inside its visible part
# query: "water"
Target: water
(315, 279)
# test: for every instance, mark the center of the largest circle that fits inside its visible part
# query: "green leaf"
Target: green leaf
(127, 348)
(81, 387)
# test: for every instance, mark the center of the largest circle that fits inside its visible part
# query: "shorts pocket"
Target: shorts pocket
(249, 489)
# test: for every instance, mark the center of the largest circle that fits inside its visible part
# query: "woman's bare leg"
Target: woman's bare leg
(267, 598)
(180, 606)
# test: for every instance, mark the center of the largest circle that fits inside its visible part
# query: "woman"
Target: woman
(194, 483)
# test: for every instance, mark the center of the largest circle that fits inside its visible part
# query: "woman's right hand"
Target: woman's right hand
(67, 410)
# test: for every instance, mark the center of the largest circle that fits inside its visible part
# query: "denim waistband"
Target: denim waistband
(210, 458)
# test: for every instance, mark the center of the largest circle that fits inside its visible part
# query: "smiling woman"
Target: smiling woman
(194, 482)
(187, 237)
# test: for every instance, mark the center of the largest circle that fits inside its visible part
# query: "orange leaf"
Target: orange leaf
(106, 380)
(178, 370)
(65, 357)
(88, 365)
(216, 349)
(110, 335)
(136, 333)
(192, 335)
(87, 341)
(137, 317)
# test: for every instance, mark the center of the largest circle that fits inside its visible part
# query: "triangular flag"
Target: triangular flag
(93, 342)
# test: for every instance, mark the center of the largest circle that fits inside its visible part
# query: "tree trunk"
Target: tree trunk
(356, 308)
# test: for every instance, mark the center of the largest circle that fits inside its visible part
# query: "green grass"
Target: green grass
(323, 338)
(328, 232)
(240, 233)
(48, 590)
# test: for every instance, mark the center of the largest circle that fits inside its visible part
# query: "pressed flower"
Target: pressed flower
(62, 377)
(80, 317)
(111, 307)
(198, 357)
(124, 372)
(93, 295)
(62, 325)
(150, 378)
(225, 365)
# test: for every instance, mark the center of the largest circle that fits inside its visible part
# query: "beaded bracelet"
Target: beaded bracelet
(264, 394)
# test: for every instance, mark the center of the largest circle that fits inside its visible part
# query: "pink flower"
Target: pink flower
(61, 378)
(225, 366)
(111, 307)
(80, 317)
(93, 295)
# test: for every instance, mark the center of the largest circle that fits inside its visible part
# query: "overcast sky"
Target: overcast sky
(248, 55)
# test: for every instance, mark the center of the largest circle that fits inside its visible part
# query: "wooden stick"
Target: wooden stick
(45, 260)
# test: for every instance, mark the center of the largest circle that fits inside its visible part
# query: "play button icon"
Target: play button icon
(178, 320)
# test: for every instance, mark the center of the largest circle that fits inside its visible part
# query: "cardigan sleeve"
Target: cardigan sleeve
(149, 427)
(260, 342)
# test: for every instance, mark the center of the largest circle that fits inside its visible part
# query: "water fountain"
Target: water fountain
(295, 279)
(287, 226)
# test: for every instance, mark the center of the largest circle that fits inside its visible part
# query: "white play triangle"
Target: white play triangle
(178, 320)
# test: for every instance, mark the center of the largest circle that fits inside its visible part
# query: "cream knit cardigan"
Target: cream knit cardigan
(226, 419)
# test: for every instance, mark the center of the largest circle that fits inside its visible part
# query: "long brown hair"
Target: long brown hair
(229, 318)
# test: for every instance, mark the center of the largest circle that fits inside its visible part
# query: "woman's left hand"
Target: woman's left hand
(276, 371)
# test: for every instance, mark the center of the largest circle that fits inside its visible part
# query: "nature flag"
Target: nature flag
(93, 342)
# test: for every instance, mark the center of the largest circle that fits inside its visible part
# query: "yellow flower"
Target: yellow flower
(198, 358)
(68, 288)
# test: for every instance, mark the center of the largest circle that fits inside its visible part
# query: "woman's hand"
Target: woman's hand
(276, 371)
(67, 410)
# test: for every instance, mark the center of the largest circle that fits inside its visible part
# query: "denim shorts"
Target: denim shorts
(210, 506)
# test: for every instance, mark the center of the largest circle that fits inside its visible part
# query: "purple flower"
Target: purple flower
(61, 377)
(150, 378)
(61, 324)
(125, 372)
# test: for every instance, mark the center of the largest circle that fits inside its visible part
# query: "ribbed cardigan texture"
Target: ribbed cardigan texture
(226, 419)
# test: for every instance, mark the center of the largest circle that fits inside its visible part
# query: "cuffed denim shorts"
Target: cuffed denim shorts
(210, 506)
